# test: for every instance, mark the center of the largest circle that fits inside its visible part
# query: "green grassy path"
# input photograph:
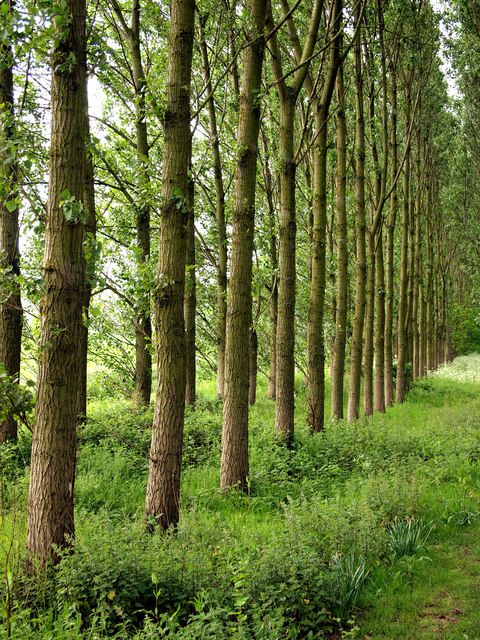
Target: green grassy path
(440, 598)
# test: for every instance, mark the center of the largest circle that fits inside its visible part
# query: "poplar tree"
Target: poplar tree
(163, 487)
(50, 519)
(10, 303)
(234, 461)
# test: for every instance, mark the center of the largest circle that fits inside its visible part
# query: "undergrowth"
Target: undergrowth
(287, 559)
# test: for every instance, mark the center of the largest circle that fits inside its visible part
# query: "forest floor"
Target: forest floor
(368, 530)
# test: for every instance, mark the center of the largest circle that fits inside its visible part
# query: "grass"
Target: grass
(308, 547)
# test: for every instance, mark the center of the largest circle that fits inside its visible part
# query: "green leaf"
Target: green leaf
(65, 194)
(11, 205)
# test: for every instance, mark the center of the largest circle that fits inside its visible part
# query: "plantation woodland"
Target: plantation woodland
(239, 311)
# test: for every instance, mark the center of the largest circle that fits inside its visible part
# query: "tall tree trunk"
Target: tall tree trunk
(90, 240)
(285, 369)
(143, 325)
(402, 300)
(288, 94)
(11, 314)
(342, 255)
(50, 500)
(234, 461)
(273, 307)
(389, 386)
(369, 323)
(416, 365)
(252, 385)
(315, 327)
(379, 379)
(163, 488)
(190, 301)
(430, 327)
(219, 214)
(356, 348)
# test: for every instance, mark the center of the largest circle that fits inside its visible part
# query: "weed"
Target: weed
(407, 536)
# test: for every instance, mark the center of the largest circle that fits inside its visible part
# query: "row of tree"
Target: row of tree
(311, 189)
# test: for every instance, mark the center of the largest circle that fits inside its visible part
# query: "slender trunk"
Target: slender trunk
(356, 349)
(402, 300)
(285, 387)
(315, 328)
(389, 387)
(90, 230)
(11, 314)
(369, 322)
(342, 255)
(288, 94)
(163, 488)
(252, 383)
(190, 301)
(379, 379)
(50, 518)
(273, 307)
(417, 263)
(143, 325)
(429, 300)
(315, 335)
(219, 215)
(234, 462)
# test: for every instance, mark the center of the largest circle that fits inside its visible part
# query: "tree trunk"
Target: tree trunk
(369, 322)
(11, 314)
(356, 348)
(190, 301)
(402, 300)
(143, 325)
(219, 215)
(163, 488)
(389, 386)
(379, 379)
(288, 94)
(285, 388)
(252, 384)
(90, 240)
(273, 307)
(315, 328)
(342, 256)
(50, 500)
(234, 462)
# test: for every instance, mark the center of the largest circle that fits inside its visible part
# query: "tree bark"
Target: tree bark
(273, 306)
(11, 314)
(163, 487)
(356, 348)
(50, 518)
(90, 239)
(342, 256)
(219, 215)
(143, 325)
(389, 386)
(316, 311)
(252, 385)
(402, 301)
(379, 378)
(190, 301)
(234, 461)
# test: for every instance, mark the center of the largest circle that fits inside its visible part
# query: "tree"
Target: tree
(234, 462)
(50, 519)
(10, 303)
(285, 340)
(163, 488)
